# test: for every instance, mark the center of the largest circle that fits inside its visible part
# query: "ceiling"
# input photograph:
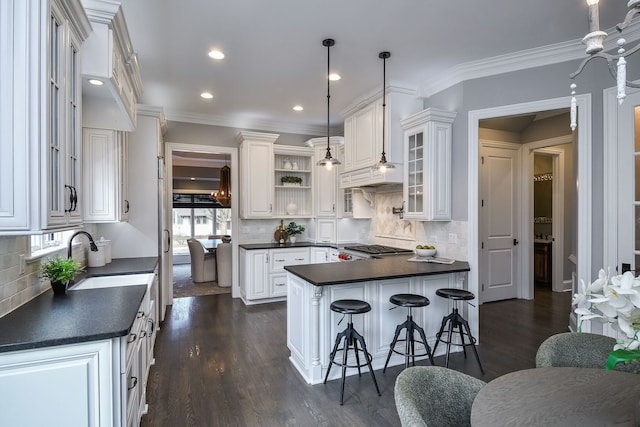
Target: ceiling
(275, 57)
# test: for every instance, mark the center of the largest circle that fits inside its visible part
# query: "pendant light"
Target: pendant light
(223, 195)
(328, 161)
(382, 165)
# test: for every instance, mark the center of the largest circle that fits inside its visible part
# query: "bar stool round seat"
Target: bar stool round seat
(353, 341)
(350, 306)
(455, 294)
(409, 301)
(456, 324)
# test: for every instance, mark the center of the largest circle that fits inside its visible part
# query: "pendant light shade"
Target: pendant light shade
(223, 195)
(383, 165)
(328, 161)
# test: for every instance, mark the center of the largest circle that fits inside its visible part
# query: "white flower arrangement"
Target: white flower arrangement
(616, 300)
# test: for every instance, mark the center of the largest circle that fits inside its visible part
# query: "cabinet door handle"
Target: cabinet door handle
(140, 314)
(70, 198)
(126, 209)
(135, 383)
(168, 240)
(270, 208)
(132, 338)
(75, 198)
(333, 208)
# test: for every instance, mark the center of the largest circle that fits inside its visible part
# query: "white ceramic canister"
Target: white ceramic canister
(95, 258)
(105, 247)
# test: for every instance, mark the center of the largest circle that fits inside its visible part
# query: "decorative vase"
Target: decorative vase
(292, 209)
(294, 166)
(59, 288)
(287, 164)
(292, 239)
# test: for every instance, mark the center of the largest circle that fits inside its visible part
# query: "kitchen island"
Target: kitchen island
(312, 326)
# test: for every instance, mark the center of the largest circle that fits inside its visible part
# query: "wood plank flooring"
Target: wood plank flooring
(221, 363)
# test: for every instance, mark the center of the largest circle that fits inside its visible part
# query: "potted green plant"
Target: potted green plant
(289, 181)
(60, 271)
(292, 230)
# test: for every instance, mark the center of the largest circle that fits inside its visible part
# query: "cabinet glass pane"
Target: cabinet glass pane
(419, 145)
(419, 199)
(412, 147)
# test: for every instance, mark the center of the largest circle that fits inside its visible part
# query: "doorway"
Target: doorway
(524, 274)
(199, 160)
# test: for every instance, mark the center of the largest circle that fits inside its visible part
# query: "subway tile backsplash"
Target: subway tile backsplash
(17, 289)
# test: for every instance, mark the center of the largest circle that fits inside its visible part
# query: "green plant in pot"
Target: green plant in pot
(60, 271)
(293, 230)
(291, 180)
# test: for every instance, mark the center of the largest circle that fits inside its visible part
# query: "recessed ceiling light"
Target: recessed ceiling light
(333, 77)
(206, 95)
(298, 108)
(96, 82)
(216, 54)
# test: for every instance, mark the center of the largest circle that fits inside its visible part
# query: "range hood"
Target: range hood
(368, 177)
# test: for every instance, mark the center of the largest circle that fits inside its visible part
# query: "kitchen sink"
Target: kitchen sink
(96, 282)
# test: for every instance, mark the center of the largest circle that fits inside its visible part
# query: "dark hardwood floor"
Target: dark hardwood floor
(221, 363)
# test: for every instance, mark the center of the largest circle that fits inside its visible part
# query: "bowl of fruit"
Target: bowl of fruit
(425, 250)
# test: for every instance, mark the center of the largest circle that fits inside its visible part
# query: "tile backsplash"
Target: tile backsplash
(17, 289)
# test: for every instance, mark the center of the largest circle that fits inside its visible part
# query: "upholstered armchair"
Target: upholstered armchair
(203, 264)
(580, 350)
(435, 396)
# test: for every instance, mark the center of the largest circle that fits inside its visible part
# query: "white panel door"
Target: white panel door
(628, 167)
(498, 222)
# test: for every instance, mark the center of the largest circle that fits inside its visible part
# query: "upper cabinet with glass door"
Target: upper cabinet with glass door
(40, 97)
(427, 169)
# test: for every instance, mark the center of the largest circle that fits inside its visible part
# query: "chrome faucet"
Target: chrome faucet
(92, 244)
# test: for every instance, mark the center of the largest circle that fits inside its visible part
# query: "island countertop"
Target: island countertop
(390, 267)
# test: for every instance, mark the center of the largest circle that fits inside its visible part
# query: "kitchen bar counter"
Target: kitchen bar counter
(390, 267)
(312, 326)
(79, 315)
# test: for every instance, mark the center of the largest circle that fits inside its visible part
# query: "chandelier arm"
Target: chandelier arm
(627, 20)
(602, 55)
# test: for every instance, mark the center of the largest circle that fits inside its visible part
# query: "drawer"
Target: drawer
(279, 258)
(278, 285)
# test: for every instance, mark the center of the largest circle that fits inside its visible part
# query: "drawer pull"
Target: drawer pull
(132, 338)
(140, 314)
(279, 260)
(135, 382)
(300, 259)
(280, 284)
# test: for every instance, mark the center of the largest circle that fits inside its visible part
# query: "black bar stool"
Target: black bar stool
(410, 301)
(456, 324)
(352, 338)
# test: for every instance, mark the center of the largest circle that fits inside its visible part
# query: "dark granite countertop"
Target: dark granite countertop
(390, 267)
(79, 315)
(270, 245)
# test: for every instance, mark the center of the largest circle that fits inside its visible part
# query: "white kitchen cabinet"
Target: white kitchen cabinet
(363, 137)
(293, 201)
(70, 385)
(262, 273)
(105, 174)
(326, 230)
(427, 171)
(325, 181)
(110, 58)
(41, 101)
(319, 255)
(256, 174)
(263, 193)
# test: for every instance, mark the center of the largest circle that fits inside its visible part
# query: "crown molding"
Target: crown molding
(393, 86)
(265, 125)
(522, 60)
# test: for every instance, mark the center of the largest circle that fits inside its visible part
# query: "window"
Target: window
(49, 243)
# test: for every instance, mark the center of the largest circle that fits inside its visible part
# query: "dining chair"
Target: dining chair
(579, 350)
(203, 264)
(435, 396)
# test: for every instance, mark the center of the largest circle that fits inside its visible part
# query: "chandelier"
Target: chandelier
(223, 195)
(595, 44)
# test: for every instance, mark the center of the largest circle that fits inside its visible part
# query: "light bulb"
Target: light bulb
(383, 168)
(592, 2)
(329, 165)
